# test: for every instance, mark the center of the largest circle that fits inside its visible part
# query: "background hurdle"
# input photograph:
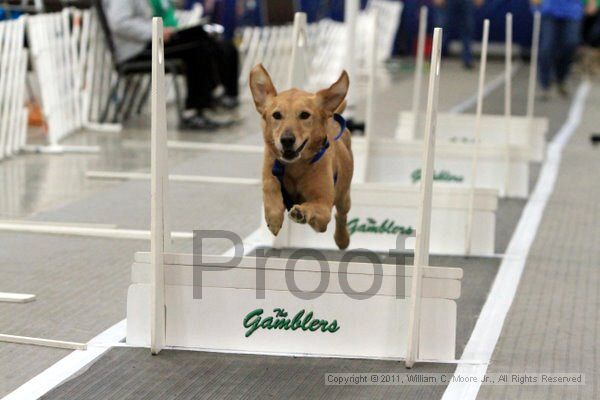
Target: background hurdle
(524, 131)
(162, 280)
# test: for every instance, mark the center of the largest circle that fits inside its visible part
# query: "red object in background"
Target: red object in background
(428, 46)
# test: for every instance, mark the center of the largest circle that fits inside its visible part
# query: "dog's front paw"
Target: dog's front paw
(297, 215)
(274, 222)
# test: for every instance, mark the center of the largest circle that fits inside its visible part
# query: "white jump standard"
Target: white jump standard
(162, 311)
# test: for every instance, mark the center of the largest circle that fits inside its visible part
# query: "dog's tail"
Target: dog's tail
(341, 108)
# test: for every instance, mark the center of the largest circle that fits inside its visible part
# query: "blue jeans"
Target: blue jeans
(558, 42)
(457, 19)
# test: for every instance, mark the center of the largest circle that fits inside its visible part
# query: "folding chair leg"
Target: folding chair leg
(145, 96)
(111, 95)
(117, 117)
(175, 73)
(134, 94)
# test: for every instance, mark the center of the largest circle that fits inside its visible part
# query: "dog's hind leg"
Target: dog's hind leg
(342, 236)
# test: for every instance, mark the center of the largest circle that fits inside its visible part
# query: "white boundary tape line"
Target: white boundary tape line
(83, 230)
(60, 344)
(487, 330)
(6, 297)
(173, 178)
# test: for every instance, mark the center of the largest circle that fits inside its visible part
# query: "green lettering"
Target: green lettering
(252, 321)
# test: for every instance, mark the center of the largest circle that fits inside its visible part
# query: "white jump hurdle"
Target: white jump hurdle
(13, 72)
(162, 311)
(521, 131)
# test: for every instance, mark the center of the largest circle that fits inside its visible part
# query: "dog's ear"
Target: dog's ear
(332, 97)
(261, 87)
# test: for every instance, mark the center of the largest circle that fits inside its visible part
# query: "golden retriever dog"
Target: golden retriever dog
(308, 163)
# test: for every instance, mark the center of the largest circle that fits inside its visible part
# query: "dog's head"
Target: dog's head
(295, 121)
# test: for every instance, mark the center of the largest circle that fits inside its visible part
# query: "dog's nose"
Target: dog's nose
(287, 140)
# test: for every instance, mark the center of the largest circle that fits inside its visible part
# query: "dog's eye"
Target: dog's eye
(304, 115)
(277, 115)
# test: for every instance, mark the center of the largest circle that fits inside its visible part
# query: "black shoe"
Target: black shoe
(199, 123)
(228, 102)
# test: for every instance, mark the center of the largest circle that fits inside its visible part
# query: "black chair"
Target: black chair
(131, 75)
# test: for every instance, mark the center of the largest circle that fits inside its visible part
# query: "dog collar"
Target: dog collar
(278, 169)
(342, 122)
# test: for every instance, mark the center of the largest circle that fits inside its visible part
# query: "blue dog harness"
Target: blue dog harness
(278, 169)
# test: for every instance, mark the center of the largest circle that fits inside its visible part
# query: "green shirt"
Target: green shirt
(165, 10)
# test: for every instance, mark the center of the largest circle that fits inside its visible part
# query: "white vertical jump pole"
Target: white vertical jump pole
(508, 96)
(419, 67)
(297, 66)
(350, 15)
(475, 159)
(424, 217)
(370, 112)
(160, 236)
(297, 75)
(533, 64)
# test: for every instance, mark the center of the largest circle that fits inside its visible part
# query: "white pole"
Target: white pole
(475, 159)
(508, 97)
(419, 68)
(533, 65)
(424, 221)
(350, 15)
(297, 70)
(370, 112)
(159, 235)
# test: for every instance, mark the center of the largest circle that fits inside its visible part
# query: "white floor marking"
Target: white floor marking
(69, 365)
(61, 344)
(489, 88)
(16, 297)
(489, 324)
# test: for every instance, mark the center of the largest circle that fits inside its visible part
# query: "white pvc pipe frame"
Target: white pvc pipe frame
(160, 234)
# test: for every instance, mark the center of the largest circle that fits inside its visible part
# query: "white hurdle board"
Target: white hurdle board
(396, 161)
(382, 215)
(524, 131)
(527, 133)
(162, 311)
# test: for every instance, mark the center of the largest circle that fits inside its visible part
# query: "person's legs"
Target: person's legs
(568, 41)
(198, 60)
(547, 51)
(228, 61)
(466, 22)
(442, 18)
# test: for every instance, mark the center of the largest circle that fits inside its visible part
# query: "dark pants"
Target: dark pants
(558, 43)
(457, 19)
(208, 63)
(591, 30)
